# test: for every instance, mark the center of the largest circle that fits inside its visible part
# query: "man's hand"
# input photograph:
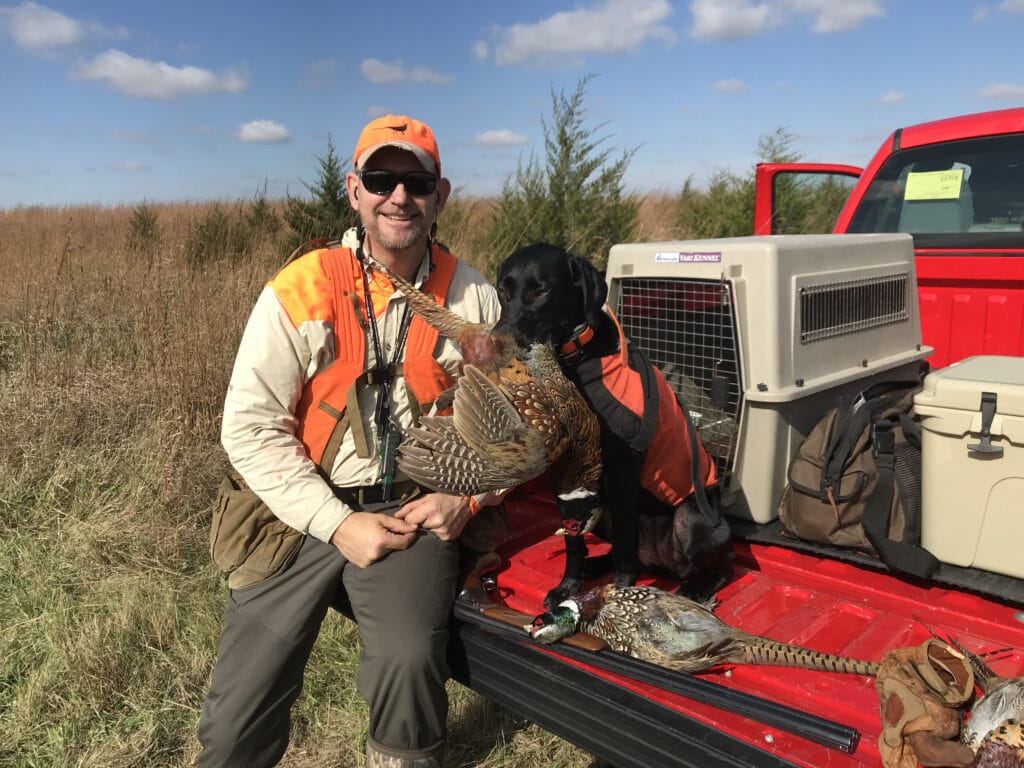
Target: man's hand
(444, 516)
(365, 537)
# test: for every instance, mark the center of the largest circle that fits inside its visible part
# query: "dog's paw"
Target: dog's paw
(566, 589)
(703, 588)
(625, 578)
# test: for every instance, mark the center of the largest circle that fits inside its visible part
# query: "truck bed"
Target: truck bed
(630, 713)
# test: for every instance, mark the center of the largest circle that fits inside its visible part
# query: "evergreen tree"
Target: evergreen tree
(726, 207)
(575, 199)
(328, 213)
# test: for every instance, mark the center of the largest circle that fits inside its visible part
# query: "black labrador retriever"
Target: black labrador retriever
(658, 482)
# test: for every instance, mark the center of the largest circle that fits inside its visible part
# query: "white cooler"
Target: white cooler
(972, 454)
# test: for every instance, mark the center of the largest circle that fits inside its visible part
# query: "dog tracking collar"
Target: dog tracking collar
(572, 350)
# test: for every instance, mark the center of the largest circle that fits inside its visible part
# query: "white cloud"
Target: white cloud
(1003, 91)
(392, 72)
(129, 166)
(736, 19)
(31, 26)
(263, 131)
(1012, 6)
(892, 97)
(145, 79)
(609, 27)
(320, 74)
(832, 16)
(499, 138)
(730, 86)
(480, 50)
(36, 28)
(731, 19)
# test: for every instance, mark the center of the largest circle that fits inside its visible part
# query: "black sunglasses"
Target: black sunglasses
(381, 182)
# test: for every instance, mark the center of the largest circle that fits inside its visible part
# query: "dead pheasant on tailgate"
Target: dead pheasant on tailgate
(997, 713)
(514, 417)
(676, 632)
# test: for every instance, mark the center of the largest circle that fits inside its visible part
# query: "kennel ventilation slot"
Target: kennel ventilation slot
(835, 309)
(761, 335)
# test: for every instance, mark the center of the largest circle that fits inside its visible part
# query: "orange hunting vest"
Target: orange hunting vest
(327, 285)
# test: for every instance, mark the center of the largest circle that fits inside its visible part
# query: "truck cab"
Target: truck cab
(957, 186)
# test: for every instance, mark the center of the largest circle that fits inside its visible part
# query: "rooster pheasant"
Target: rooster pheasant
(675, 632)
(514, 416)
(999, 710)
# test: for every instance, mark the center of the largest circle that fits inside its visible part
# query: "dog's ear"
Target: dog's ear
(591, 285)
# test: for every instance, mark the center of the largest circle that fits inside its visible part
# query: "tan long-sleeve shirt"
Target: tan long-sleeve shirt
(277, 358)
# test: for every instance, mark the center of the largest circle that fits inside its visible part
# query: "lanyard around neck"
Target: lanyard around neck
(382, 372)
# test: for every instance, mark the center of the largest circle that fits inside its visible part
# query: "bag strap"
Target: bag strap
(700, 494)
(852, 420)
(898, 555)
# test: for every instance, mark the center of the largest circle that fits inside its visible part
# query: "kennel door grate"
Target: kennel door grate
(688, 329)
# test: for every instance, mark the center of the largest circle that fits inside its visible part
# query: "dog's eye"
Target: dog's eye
(539, 294)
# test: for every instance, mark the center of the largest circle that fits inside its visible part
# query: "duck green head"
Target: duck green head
(551, 626)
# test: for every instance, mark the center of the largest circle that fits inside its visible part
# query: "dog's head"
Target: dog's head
(548, 294)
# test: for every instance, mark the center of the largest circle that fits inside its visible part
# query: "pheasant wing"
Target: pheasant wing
(490, 423)
(442, 463)
(485, 445)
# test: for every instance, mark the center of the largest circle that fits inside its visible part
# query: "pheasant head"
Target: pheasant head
(580, 526)
(479, 344)
(551, 626)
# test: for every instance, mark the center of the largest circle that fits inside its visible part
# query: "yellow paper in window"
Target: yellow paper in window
(934, 185)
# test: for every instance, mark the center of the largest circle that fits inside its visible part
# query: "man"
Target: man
(331, 367)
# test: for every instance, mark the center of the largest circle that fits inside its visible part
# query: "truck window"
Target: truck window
(959, 194)
(808, 203)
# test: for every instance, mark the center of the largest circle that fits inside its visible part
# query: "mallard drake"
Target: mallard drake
(673, 631)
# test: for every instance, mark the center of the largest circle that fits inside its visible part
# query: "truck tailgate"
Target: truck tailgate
(823, 604)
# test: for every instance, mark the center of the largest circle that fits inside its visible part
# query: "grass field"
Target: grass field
(116, 342)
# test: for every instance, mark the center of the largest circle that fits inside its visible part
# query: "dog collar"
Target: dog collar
(572, 350)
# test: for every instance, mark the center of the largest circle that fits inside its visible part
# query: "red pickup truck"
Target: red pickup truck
(957, 186)
(968, 234)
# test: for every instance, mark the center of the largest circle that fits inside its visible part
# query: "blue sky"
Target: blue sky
(114, 102)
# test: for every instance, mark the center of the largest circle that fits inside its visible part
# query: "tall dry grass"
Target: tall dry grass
(114, 357)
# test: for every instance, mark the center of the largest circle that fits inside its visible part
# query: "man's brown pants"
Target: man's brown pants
(402, 605)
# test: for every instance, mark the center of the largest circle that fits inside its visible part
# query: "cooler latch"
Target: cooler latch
(988, 412)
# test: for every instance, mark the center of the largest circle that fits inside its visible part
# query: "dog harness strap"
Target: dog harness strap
(700, 494)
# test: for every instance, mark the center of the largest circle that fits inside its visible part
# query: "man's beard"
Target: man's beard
(395, 242)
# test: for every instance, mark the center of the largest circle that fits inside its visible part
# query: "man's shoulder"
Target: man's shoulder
(306, 286)
(311, 265)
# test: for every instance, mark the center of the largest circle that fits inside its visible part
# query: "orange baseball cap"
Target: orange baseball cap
(402, 132)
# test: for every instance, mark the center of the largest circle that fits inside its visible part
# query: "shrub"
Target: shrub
(726, 207)
(260, 218)
(575, 199)
(143, 228)
(328, 214)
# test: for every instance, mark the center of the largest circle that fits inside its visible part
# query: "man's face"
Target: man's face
(397, 220)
